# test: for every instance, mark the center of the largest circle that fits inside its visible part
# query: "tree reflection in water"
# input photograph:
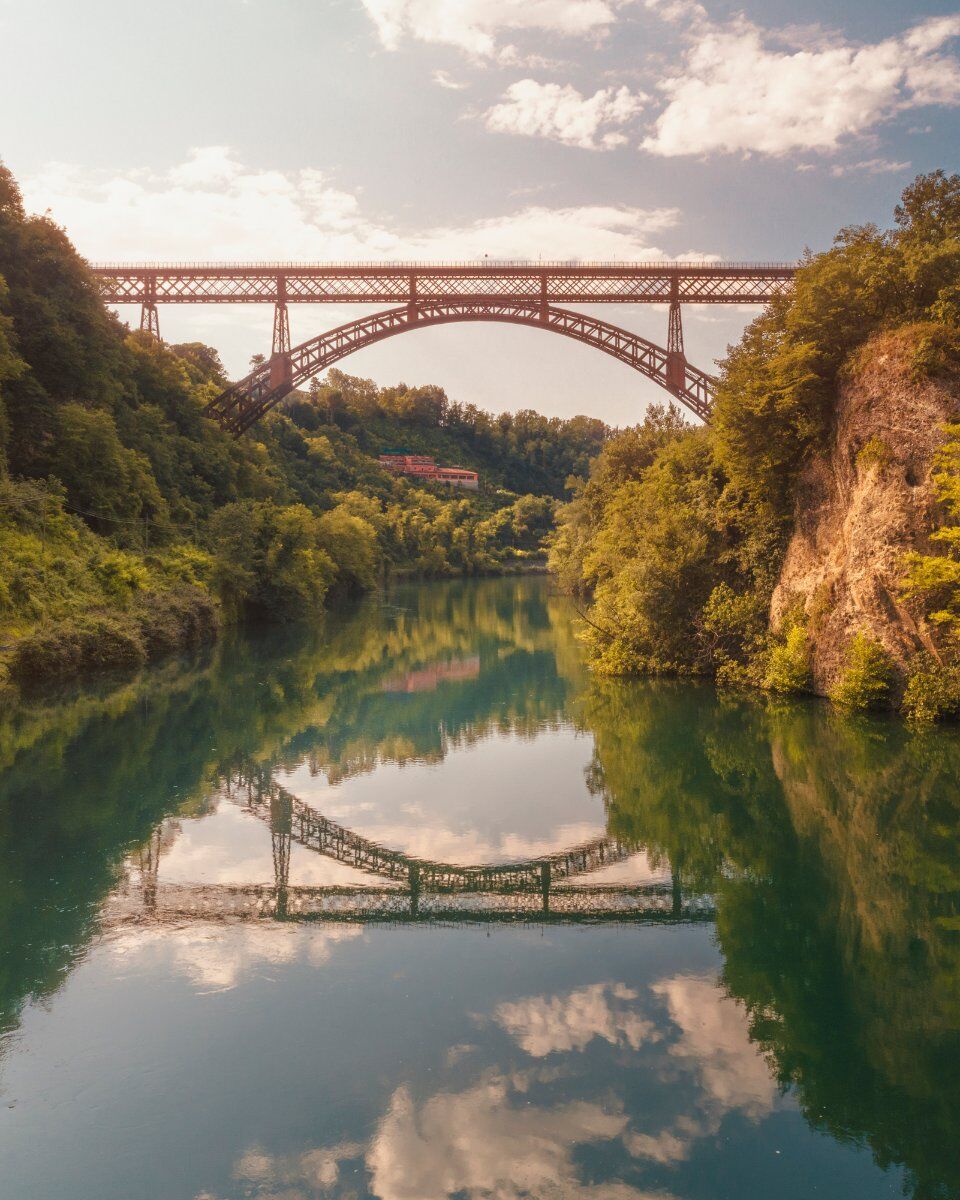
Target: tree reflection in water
(831, 845)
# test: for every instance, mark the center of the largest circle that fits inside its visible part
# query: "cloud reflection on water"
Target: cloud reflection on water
(513, 1133)
(543, 1025)
(213, 958)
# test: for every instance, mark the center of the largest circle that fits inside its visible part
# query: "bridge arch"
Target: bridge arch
(243, 404)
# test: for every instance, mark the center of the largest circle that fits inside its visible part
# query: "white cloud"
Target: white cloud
(492, 1140)
(214, 208)
(479, 1144)
(735, 93)
(543, 1025)
(445, 80)
(207, 166)
(688, 13)
(473, 26)
(559, 112)
(870, 166)
(714, 1046)
(715, 1042)
(666, 1147)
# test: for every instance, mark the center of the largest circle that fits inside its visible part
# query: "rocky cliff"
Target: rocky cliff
(865, 499)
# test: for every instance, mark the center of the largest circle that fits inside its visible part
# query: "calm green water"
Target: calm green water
(245, 949)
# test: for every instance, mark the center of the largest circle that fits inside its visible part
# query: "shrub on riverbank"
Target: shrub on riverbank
(867, 678)
(933, 691)
(70, 602)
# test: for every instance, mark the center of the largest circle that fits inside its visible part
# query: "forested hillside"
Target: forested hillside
(129, 523)
(835, 436)
(524, 452)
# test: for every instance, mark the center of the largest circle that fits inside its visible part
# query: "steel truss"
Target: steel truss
(243, 404)
(180, 905)
(397, 283)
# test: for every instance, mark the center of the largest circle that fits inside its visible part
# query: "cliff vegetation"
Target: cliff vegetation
(809, 539)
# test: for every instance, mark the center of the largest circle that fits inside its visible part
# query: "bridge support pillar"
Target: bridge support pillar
(281, 329)
(412, 301)
(150, 869)
(414, 877)
(676, 359)
(150, 319)
(281, 836)
(281, 370)
(544, 301)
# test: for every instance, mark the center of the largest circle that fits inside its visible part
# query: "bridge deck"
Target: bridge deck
(398, 283)
(176, 904)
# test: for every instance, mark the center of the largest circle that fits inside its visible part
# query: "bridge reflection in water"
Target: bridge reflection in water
(408, 889)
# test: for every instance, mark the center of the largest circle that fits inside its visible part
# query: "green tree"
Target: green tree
(107, 483)
(351, 544)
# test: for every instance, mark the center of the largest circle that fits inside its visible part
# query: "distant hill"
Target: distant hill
(524, 452)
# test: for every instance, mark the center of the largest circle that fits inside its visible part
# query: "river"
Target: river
(409, 905)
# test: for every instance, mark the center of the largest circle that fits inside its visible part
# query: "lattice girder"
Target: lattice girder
(378, 283)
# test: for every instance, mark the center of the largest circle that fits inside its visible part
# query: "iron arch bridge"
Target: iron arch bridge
(405, 888)
(243, 404)
(438, 293)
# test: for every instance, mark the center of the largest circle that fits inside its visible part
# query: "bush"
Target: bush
(937, 352)
(95, 642)
(351, 543)
(120, 574)
(788, 663)
(270, 558)
(867, 676)
(175, 620)
(874, 453)
(933, 692)
(934, 579)
(111, 484)
(734, 622)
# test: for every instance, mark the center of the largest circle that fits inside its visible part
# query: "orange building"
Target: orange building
(422, 466)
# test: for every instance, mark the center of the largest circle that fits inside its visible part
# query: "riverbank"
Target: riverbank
(73, 604)
(808, 539)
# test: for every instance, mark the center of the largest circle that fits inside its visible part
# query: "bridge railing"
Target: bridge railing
(525, 264)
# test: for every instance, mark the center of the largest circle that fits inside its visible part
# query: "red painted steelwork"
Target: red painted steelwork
(436, 293)
(403, 283)
(243, 404)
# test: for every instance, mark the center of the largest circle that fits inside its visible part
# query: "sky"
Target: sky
(210, 130)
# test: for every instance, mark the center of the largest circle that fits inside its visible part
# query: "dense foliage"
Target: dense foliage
(524, 451)
(867, 677)
(131, 522)
(677, 535)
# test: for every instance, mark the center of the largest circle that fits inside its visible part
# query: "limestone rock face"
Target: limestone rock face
(863, 500)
